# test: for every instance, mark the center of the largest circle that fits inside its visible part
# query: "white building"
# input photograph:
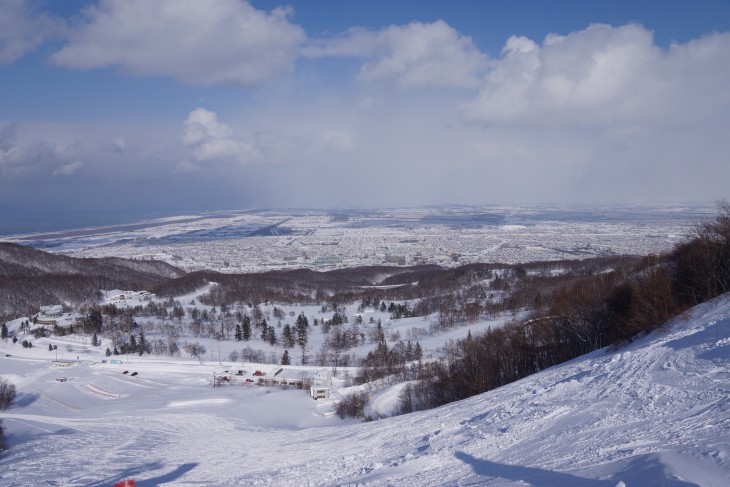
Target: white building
(319, 392)
(55, 310)
(63, 363)
(323, 376)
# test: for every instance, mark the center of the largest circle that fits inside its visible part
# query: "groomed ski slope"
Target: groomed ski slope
(654, 413)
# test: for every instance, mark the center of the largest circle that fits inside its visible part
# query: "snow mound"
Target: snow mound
(198, 402)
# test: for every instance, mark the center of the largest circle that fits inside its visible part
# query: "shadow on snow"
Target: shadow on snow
(645, 470)
(136, 472)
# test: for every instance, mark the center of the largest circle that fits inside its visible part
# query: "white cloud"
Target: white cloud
(8, 137)
(411, 56)
(604, 76)
(22, 29)
(68, 169)
(115, 145)
(337, 139)
(24, 158)
(118, 144)
(209, 140)
(355, 42)
(420, 55)
(204, 43)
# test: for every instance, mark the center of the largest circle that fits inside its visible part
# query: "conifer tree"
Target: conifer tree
(302, 329)
(285, 360)
(287, 337)
(246, 328)
(143, 345)
(417, 352)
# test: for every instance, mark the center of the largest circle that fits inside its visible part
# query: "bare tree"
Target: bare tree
(7, 393)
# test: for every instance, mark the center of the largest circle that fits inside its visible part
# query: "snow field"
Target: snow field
(655, 413)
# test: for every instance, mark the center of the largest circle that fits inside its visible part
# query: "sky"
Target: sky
(116, 109)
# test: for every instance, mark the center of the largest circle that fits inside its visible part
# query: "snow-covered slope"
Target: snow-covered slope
(655, 413)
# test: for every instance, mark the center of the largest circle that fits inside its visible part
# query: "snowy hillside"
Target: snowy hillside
(655, 413)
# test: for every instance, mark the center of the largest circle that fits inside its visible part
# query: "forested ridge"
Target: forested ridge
(30, 278)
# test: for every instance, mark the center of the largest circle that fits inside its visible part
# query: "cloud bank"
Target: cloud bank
(201, 43)
(604, 76)
(416, 55)
(22, 29)
(419, 116)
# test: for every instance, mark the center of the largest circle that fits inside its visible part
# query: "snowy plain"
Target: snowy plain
(653, 413)
(261, 240)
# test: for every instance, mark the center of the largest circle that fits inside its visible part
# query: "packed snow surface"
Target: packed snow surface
(653, 413)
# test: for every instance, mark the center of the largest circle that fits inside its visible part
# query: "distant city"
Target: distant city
(259, 240)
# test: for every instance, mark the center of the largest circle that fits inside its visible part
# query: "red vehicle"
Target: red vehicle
(258, 373)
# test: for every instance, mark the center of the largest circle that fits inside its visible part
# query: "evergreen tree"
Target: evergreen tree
(132, 344)
(381, 347)
(116, 350)
(417, 352)
(50, 347)
(93, 321)
(108, 352)
(178, 312)
(287, 336)
(143, 345)
(285, 360)
(380, 334)
(272, 336)
(4, 331)
(95, 340)
(239, 333)
(302, 329)
(246, 328)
